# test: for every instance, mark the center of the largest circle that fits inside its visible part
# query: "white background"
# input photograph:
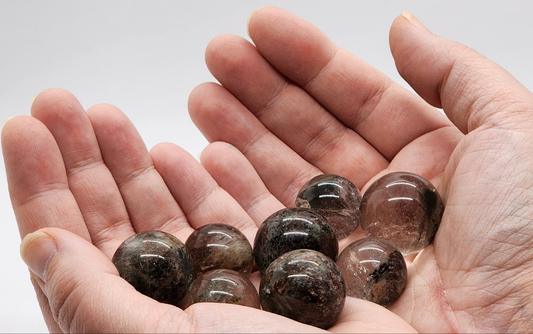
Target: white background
(145, 57)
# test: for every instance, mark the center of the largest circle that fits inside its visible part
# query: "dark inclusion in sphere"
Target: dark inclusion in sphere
(220, 246)
(222, 286)
(304, 285)
(157, 264)
(403, 209)
(373, 270)
(293, 228)
(334, 197)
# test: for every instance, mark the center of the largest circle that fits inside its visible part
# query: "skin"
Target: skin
(290, 107)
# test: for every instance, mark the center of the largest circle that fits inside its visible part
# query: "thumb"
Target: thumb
(85, 292)
(471, 89)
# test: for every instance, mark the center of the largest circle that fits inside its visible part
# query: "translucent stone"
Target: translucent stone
(157, 264)
(403, 209)
(373, 270)
(222, 286)
(334, 197)
(304, 285)
(220, 246)
(293, 228)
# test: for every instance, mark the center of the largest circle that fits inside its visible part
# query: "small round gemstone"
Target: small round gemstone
(293, 228)
(304, 285)
(334, 197)
(157, 264)
(222, 286)
(373, 270)
(220, 246)
(403, 209)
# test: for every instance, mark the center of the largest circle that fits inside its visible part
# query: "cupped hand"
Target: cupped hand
(293, 105)
(81, 182)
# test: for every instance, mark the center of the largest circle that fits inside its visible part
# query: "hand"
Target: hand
(81, 183)
(295, 105)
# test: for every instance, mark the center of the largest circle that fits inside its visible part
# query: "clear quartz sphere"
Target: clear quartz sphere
(304, 285)
(220, 246)
(373, 270)
(335, 198)
(293, 228)
(404, 209)
(222, 286)
(157, 264)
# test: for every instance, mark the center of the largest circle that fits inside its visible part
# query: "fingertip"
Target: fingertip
(33, 100)
(7, 120)
(213, 152)
(413, 20)
(54, 101)
(37, 251)
(250, 18)
(199, 157)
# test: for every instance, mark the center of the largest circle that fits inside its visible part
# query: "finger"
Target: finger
(369, 317)
(471, 89)
(290, 113)
(37, 180)
(382, 112)
(228, 318)
(89, 179)
(149, 203)
(92, 297)
(221, 117)
(202, 200)
(234, 173)
(48, 317)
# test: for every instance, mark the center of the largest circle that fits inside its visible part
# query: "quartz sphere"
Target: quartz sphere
(373, 270)
(335, 198)
(403, 209)
(304, 285)
(219, 246)
(157, 264)
(222, 286)
(293, 228)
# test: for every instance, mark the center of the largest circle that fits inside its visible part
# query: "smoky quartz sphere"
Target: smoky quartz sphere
(293, 228)
(373, 270)
(157, 264)
(334, 197)
(222, 286)
(404, 209)
(220, 246)
(304, 285)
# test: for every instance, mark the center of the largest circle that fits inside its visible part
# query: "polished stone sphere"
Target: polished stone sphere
(404, 209)
(157, 264)
(219, 246)
(335, 198)
(304, 285)
(222, 286)
(373, 270)
(293, 228)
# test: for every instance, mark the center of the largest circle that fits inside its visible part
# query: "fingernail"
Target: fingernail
(37, 250)
(7, 120)
(33, 100)
(200, 155)
(250, 17)
(413, 20)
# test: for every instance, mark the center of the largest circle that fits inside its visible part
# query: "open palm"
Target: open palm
(292, 106)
